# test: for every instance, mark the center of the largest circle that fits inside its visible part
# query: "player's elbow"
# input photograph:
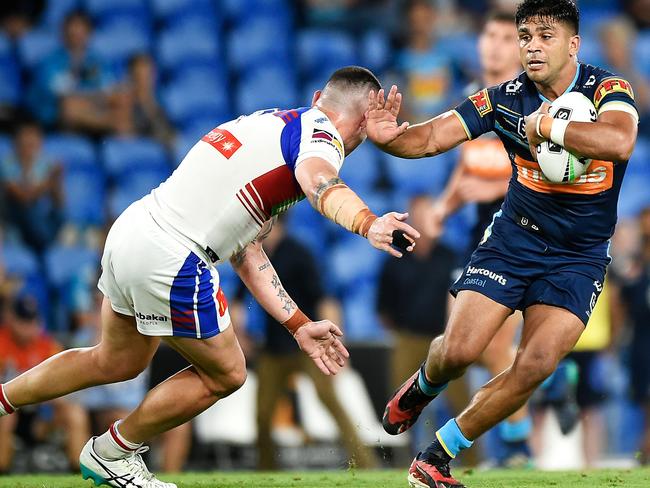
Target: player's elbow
(622, 145)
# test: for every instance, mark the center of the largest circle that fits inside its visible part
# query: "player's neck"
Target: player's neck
(557, 87)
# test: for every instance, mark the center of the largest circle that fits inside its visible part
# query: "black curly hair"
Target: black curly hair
(556, 10)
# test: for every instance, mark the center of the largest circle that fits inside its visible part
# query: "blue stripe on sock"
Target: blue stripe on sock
(427, 387)
(516, 431)
(452, 439)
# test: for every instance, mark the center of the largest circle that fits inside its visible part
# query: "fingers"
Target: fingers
(320, 365)
(331, 366)
(335, 330)
(399, 216)
(543, 108)
(397, 103)
(408, 230)
(380, 98)
(390, 99)
(402, 128)
(372, 100)
(334, 354)
(387, 248)
(341, 349)
(533, 151)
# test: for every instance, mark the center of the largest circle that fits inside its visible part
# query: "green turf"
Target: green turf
(637, 478)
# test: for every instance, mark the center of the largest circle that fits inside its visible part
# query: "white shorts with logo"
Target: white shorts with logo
(167, 284)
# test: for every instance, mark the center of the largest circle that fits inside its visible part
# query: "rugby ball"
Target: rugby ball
(559, 165)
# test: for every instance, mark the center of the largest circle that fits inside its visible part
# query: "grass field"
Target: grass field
(637, 478)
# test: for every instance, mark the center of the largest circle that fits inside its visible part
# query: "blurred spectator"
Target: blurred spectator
(347, 14)
(424, 65)
(635, 300)
(592, 386)
(617, 40)
(32, 184)
(23, 344)
(639, 12)
(280, 357)
(412, 301)
(18, 17)
(149, 119)
(73, 87)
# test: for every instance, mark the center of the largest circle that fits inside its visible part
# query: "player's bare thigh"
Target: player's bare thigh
(474, 321)
(122, 346)
(500, 353)
(219, 360)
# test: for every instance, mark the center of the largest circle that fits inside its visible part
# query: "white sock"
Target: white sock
(111, 445)
(6, 407)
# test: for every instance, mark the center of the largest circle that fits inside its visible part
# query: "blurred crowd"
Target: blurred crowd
(99, 101)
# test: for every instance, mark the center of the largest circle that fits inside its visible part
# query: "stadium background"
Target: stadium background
(216, 59)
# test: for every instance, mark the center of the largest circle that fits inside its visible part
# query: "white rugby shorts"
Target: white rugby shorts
(167, 284)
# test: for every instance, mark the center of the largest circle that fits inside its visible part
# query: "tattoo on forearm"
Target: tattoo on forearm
(322, 188)
(266, 229)
(287, 303)
(238, 258)
(264, 266)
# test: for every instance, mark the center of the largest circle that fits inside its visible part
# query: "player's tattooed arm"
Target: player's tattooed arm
(321, 187)
(256, 271)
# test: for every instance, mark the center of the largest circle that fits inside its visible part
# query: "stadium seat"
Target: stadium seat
(105, 13)
(182, 46)
(55, 11)
(122, 156)
(353, 261)
(170, 13)
(84, 190)
(375, 50)
(35, 45)
(238, 11)
(321, 51)
(10, 86)
(6, 146)
(63, 262)
(189, 99)
(120, 40)
(70, 150)
(134, 186)
(257, 42)
(642, 52)
(362, 169)
(426, 175)
(267, 87)
(19, 260)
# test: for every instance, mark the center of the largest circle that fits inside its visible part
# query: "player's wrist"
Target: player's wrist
(296, 321)
(543, 125)
(558, 130)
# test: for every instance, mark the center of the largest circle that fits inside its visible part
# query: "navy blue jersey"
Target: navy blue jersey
(580, 214)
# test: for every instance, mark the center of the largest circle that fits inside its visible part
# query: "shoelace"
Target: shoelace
(136, 464)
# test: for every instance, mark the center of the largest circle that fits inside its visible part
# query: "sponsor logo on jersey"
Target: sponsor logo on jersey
(481, 101)
(320, 120)
(150, 317)
(322, 134)
(513, 87)
(609, 86)
(471, 270)
(223, 141)
(591, 81)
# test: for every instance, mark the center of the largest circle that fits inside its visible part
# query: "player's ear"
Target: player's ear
(574, 45)
(315, 98)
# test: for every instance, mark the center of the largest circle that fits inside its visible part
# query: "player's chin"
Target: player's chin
(537, 73)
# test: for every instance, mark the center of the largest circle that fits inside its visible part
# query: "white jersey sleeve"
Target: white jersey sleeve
(319, 139)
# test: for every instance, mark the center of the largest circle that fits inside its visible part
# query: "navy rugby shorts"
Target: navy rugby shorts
(516, 267)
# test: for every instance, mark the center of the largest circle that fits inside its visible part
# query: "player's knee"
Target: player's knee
(535, 366)
(457, 357)
(227, 383)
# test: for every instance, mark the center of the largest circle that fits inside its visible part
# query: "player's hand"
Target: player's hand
(380, 234)
(321, 341)
(382, 127)
(531, 128)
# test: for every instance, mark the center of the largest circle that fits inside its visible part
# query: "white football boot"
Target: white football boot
(129, 472)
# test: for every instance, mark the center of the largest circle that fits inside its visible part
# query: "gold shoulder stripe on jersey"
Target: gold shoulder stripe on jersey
(609, 86)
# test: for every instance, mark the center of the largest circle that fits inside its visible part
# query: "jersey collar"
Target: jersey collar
(569, 88)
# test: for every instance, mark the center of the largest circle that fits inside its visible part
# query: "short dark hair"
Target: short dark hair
(558, 10)
(353, 77)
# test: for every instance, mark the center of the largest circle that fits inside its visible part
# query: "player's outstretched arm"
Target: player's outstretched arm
(610, 138)
(429, 138)
(320, 340)
(328, 194)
